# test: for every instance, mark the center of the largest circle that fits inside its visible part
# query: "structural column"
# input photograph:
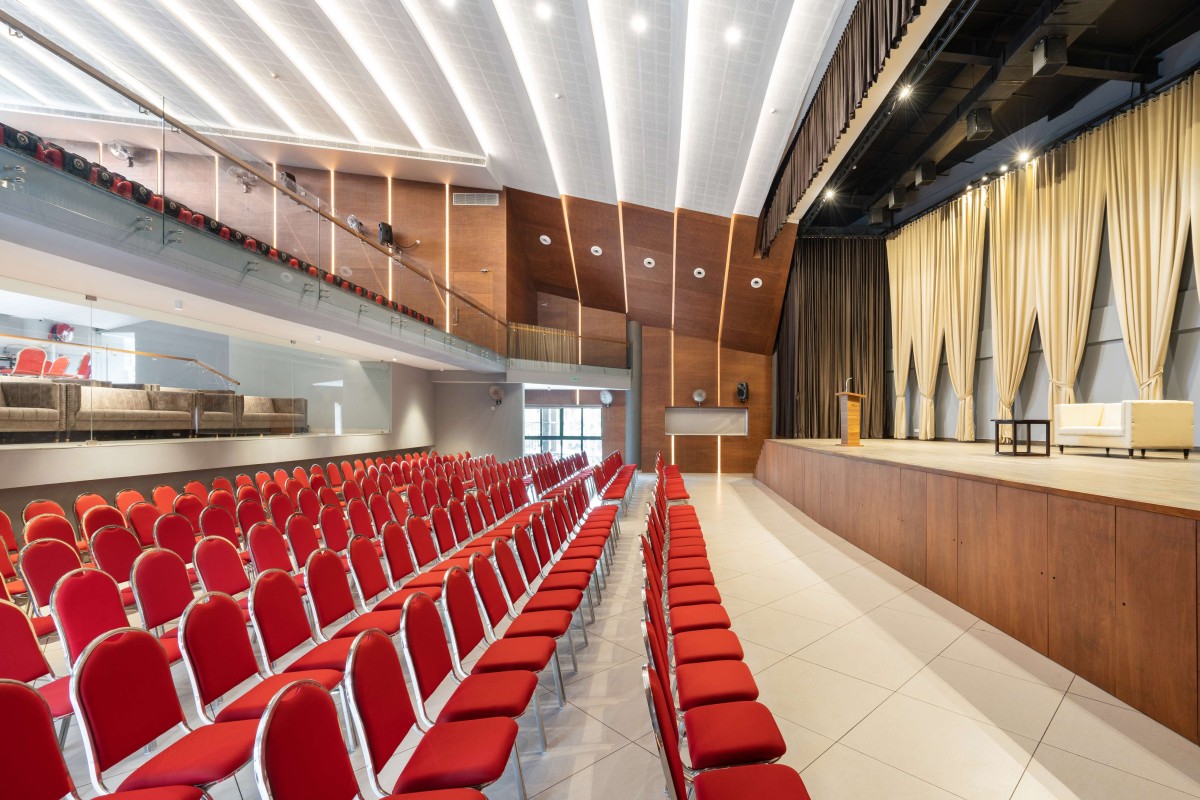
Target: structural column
(633, 399)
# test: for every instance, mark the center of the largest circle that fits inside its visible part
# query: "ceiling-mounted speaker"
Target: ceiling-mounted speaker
(926, 173)
(1049, 56)
(880, 216)
(979, 125)
(897, 198)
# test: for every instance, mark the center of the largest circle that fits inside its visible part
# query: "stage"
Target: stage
(1090, 560)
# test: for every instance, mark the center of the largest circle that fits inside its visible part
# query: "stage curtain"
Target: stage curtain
(1148, 218)
(1011, 209)
(914, 258)
(963, 225)
(1069, 224)
(837, 290)
(899, 294)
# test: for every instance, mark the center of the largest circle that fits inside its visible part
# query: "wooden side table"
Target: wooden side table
(1016, 424)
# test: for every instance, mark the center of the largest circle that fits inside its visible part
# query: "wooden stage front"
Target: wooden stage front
(1091, 560)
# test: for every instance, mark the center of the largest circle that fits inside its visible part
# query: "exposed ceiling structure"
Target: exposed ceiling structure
(1017, 75)
(659, 103)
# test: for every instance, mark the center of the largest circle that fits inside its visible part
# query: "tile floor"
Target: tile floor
(880, 687)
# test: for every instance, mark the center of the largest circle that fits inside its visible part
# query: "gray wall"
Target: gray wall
(1104, 374)
(468, 419)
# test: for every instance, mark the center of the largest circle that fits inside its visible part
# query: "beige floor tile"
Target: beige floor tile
(1092, 692)
(803, 745)
(755, 589)
(630, 773)
(926, 603)
(615, 697)
(759, 658)
(824, 607)
(907, 630)
(820, 699)
(882, 662)
(858, 585)
(1002, 653)
(845, 773)
(793, 571)
(778, 630)
(1058, 775)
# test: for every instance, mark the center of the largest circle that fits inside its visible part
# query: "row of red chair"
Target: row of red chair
(615, 480)
(712, 734)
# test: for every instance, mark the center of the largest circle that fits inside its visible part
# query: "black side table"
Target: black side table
(1016, 424)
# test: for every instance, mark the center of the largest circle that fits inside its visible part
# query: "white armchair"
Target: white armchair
(1130, 425)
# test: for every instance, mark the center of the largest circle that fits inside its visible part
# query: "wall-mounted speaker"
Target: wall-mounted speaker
(743, 391)
(385, 234)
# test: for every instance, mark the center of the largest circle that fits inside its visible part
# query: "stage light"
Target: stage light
(733, 34)
(639, 23)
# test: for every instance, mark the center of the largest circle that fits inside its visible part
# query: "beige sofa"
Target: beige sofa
(218, 411)
(1130, 425)
(274, 414)
(32, 406)
(100, 408)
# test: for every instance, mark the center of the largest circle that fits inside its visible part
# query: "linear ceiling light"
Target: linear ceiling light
(693, 51)
(608, 87)
(68, 74)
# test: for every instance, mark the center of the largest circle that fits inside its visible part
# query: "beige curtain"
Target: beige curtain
(925, 264)
(1069, 222)
(1148, 217)
(961, 248)
(1189, 166)
(899, 293)
(1011, 206)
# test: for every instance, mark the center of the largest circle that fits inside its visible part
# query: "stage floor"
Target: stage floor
(1163, 482)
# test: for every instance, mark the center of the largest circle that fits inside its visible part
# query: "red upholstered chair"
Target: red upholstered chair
(114, 549)
(333, 529)
(370, 580)
(30, 361)
(335, 613)
(247, 491)
(281, 476)
(174, 532)
(164, 496)
(397, 555)
(333, 475)
(142, 518)
(242, 479)
(458, 520)
(457, 489)
(84, 370)
(281, 507)
(8, 538)
(42, 563)
(328, 497)
(223, 498)
(269, 550)
(309, 505)
(219, 657)
(443, 530)
(299, 474)
(22, 659)
(198, 489)
(381, 512)
(301, 755)
(429, 494)
(125, 697)
(52, 526)
(347, 470)
(85, 501)
(512, 577)
(249, 513)
(317, 480)
(548, 594)
(491, 694)
(162, 587)
(450, 755)
(32, 763)
(359, 516)
(351, 489)
(85, 604)
(369, 485)
(98, 517)
(732, 783)
(490, 511)
(386, 481)
(283, 630)
(216, 521)
(221, 483)
(416, 500)
(301, 538)
(269, 489)
(220, 568)
(261, 479)
(400, 509)
(442, 487)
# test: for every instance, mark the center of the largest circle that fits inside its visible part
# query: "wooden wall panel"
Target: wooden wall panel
(976, 524)
(251, 212)
(752, 315)
(601, 278)
(603, 342)
(1156, 654)
(520, 294)
(549, 265)
(833, 494)
(701, 240)
(656, 394)
(912, 534)
(739, 453)
(695, 368)
(877, 510)
(1081, 559)
(478, 268)
(1017, 585)
(558, 312)
(191, 180)
(941, 536)
(813, 501)
(301, 231)
(366, 197)
(649, 233)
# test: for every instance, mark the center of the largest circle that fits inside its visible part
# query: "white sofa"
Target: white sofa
(1130, 425)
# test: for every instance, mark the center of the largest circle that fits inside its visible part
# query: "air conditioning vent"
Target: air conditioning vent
(476, 199)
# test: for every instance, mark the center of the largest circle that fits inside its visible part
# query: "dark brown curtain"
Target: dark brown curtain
(831, 328)
(874, 28)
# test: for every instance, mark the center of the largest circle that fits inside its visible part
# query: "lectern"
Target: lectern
(850, 416)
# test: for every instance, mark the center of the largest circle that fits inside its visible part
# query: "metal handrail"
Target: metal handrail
(40, 343)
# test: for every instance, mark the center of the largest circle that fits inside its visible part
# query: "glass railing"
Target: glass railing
(150, 172)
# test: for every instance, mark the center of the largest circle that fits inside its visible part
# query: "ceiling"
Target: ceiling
(662, 104)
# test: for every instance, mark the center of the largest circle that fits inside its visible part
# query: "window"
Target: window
(565, 431)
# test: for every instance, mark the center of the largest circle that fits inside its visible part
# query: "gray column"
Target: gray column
(633, 398)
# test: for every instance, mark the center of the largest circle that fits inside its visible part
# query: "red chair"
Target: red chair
(98, 517)
(333, 475)
(22, 659)
(42, 563)
(52, 526)
(328, 497)
(85, 604)
(281, 476)
(84, 371)
(247, 491)
(458, 520)
(175, 533)
(126, 699)
(222, 483)
(400, 510)
(497, 608)
(281, 507)
(282, 628)
(381, 512)
(164, 496)
(219, 657)
(223, 498)
(332, 601)
(416, 500)
(142, 517)
(513, 579)
(351, 489)
(299, 474)
(370, 580)
(216, 521)
(8, 538)
(114, 549)
(198, 489)
(35, 508)
(270, 488)
(29, 361)
(302, 756)
(126, 498)
(220, 568)
(333, 529)
(301, 538)
(359, 516)
(33, 765)
(56, 368)
(269, 550)
(309, 505)
(162, 587)
(397, 554)
(450, 755)
(347, 471)
(242, 479)
(491, 694)
(189, 506)
(249, 513)
(443, 530)
(261, 479)
(85, 501)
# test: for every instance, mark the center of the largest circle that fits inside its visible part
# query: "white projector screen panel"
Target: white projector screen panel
(688, 421)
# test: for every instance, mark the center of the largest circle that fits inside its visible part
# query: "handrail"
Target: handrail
(45, 43)
(41, 342)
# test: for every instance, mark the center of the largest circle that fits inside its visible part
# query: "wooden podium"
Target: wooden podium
(850, 416)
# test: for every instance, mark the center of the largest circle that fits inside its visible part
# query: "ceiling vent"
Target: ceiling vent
(476, 199)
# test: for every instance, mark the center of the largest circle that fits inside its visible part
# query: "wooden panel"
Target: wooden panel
(875, 500)
(656, 394)
(813, 501)
(976, 525)
(478, 269)
(1017, 586)
(739, 453)
(701, 240)
(549, 265)
(752, 315)
(1081, 559)
(695, 368)
(601, 278)
(520, 294)
(190, 179)
(649, 233)
(144, 169)
(558, 312)
(833, 493)
(1156, 658)
(366, 197)
(419, 212)
(252, 211)
(603, 342)
(301, 231)
(941, 535)
(912, 534)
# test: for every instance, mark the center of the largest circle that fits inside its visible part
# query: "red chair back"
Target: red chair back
(663, 717)
(281, 476)
(223, 498)
(173, 532)
(309, 504)
(277, 611)
(484, 576)
(50, 526)
(416, 500)
(215, 645)
(399, 508)
(462, 612)
(261, 479)
(302, 538)
(301, 753)
(351, 489)
(160, 586)
(396, 553)
(281, 507)
(30, 361)
(443, 531)
(384, 715)
(85, 501)
(268, 549)
(300, 475)
(335, 477)
(98, 517)
(84, 370)
(7, 536)
(35, 508)
(32, 765)
(292, 487)
(424, 641)
(114, 550)
(510, 570)
(249, 514)
(381, 512)
(420, 539)
(429, 494)
(475, 514)
(21, 657)
(366, 568)
(198, 489)
(328, 589)
(86, 604)
(246, 492)
(361, 523)
(222, 483)
(526, 554)
(333, 529)
(219, 566)
(164, 497)
(42, 564)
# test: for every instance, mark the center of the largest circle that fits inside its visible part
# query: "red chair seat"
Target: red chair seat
(441, 794)
(127, 597)
(687, 565)
(584, 551)
(491, 694)
(539, 623)
(452, 754)
(557, 600)
(683, 530)
(687, 550)
(756, 780)
(42, 626)
(395, 600)
(564, 580)
(253, 703)
(161, 793)
(698, 618)
(584, 565)
(732, 733)
(530, 653)
(427, 580)
(714, 682)
(171, 644)
(206, 755)
(690, 577)
(693, 595)
(57, 694)
(711, 645)
(386, 621)
(327, 655)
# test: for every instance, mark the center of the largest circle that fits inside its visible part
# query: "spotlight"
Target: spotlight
(1024, 156)
(985, 179)
(906, 91)
(1003, 168)
(830, 194)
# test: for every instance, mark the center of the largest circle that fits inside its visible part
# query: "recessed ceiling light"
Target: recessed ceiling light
(596, 251)
(448, 3)
(649, 262)
(698, 272)
(733, 34)
(756, 283)
(544, 239)
(984, 179)
(1003, 168)
(639, 23)
(544, 11)
(318, 339)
